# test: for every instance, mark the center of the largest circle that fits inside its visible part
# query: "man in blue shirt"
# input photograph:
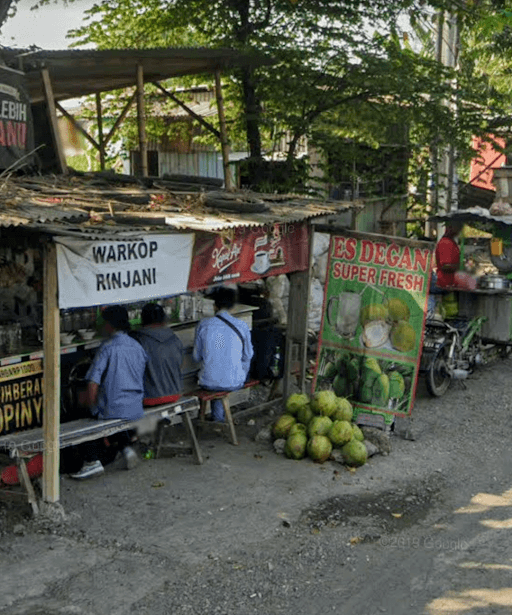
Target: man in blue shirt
(223, 345)
(116, 386)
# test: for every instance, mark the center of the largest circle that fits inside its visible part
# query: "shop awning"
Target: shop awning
(473, 214)
(78, 72)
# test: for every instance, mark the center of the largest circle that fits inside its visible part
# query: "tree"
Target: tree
(340, 66)
(327, 57)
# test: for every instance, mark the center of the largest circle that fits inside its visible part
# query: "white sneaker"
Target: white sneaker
(94, 468)
(130, 457)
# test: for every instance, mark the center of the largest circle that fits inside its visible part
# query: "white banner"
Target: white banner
(103, 272)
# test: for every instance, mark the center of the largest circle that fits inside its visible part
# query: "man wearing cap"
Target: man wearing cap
(116, 387)
(163, 381)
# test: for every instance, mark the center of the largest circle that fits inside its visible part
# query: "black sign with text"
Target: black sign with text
(16, 126)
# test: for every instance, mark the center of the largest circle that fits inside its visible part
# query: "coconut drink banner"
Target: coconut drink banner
(374, 311)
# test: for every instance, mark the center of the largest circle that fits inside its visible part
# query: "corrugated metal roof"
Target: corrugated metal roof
(79, 72)
(84, 206)
(473, 214)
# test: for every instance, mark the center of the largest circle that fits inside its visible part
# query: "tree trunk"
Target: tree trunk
(252, 110)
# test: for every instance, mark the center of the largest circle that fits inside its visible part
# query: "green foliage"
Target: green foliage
(351, 76)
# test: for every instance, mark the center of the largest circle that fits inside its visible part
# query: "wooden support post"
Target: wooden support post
(99, 120)
(141, 120)
(297, 330)
(223, 132)
(51, 376)
(52, 115)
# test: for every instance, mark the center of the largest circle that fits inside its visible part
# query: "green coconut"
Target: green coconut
(296, 445)
(304, 415)
(398, 309)
(403, 336)
(354, 453)
(330, 370)
(319, 425)
(283, 425)
(344, 410)
(295, 402)
(340, 433)
(340, 386)
(357, 433)
(396, 385)
(381, 391)
(319, 448)
(324, 402)
(374, 311)
(297, 428)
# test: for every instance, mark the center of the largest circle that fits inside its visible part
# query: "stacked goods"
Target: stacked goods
(313, 427)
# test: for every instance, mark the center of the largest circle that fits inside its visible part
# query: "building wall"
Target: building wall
(202, 164)
(486, 157)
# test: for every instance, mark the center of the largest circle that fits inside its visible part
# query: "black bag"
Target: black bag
(268, 360)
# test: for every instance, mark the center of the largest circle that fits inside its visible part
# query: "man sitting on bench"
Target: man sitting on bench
(223, 344)
(163, 381)
(116, 387)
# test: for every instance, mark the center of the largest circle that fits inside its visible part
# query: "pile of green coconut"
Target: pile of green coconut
(315, 426)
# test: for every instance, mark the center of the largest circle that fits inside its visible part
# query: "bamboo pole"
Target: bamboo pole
(52, 116)
(51, 376)
(99, 119)
(141, 121)
(223, 131)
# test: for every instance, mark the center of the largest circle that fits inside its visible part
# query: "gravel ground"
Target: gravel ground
(252, 532)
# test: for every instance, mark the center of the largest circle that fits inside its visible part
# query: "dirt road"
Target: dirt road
(425, 530)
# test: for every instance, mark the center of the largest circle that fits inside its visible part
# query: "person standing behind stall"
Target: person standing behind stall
(448, 260)
(115, 389)
(223, 345)
(163, 380)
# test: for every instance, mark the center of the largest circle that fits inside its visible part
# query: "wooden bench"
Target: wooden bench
(205, 397)
(27, 443)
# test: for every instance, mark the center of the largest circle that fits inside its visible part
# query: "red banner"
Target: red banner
(252, 253)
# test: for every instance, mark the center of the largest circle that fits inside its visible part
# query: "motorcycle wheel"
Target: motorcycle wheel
(438, 377)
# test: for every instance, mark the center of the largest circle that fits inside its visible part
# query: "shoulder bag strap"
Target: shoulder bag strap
(230, 324)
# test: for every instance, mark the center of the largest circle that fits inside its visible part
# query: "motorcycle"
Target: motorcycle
(451, 351)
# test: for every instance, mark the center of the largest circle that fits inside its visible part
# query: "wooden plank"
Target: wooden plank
(192, 113)
(51, 376)
(99, 120)
(80, 128)
(25, 481)
(52, 115)
(141, 121)
(223, 132)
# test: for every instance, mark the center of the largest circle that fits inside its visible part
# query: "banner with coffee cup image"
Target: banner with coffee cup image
(248, 253)
(375, 301)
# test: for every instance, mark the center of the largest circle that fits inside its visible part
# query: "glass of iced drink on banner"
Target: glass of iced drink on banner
(343, 313)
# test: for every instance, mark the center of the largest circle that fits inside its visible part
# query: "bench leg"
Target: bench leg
(229, 420)
(25, 481)
(203, 405)
(192, 437)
